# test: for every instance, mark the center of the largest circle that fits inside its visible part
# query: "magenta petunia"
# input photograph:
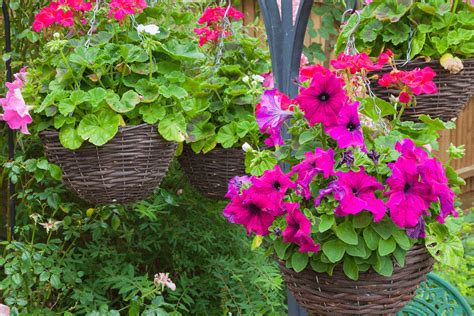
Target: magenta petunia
(298, 225)
(409, 197)
(347, 130)
(236, 185)
(253, 211)
(272, 182)
(356, 193)
(411, 156)
(271, 113)
(322, 100)
(298, 229)
(318, 162)
(432, 172)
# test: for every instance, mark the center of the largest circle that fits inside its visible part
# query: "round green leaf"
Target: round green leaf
(173, 127)
(100, 128)
(69, 137)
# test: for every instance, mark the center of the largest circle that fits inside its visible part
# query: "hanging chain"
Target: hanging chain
(352, 50)
(135, 25)
(93, 24)
(226, 25)
(410, 41)
(350, 45)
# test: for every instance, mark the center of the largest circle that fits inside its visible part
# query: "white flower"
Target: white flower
(56, 35)
(151, 29)
(246, 147)
(258, 78)
(51, 225)
(246, 79)
(162, 279)
(35, 217)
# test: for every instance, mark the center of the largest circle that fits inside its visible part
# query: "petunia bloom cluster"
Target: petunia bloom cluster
(15, 110)
(212, 20)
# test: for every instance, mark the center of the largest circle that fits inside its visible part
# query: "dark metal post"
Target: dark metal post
(11, 138)
(285, 39)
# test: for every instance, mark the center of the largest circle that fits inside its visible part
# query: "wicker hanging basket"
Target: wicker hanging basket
(372, 294)
(125, 170)
(453, 94)
(210, 173)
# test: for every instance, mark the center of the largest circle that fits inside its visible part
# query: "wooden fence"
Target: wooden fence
(463, 134)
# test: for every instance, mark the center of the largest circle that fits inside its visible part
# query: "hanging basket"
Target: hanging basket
(453, 94)
(210, 173)
(373, 294)
(125, 170)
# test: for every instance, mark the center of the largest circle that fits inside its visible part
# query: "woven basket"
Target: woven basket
(125, 170)
(373, 294)
(453, 94)
(210, 173)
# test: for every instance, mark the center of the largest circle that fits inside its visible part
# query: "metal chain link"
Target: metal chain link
(410, 41)
(352, 50)
(226, 24)
(135, 25)
(93, 22)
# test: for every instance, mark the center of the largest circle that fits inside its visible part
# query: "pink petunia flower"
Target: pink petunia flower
(411, 155)
(432, 172)
(236, 185)
(318, 162)
(409, 197)
(15, 110)
(347, 131)
(272, 182)
(356, 193)
(253, 211)
(270, 115)
(322, 100)
(298, 229)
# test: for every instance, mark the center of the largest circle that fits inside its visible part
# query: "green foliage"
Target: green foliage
(437, 27)
(71, 258)
(223, 108)
(123, 78)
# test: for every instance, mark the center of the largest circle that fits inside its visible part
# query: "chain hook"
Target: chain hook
(93, 24)
(226, 24)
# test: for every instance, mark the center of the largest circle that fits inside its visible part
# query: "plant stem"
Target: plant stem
(404, 105)
(66, 62)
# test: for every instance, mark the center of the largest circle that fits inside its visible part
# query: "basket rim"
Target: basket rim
(51, 132)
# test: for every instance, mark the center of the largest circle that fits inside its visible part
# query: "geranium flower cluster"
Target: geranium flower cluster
(212, 18)
(360, 62)
(65, 13)
(414, 82)
(15, 110)
(62, 13)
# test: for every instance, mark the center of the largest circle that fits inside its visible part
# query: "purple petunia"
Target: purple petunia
(298, 229)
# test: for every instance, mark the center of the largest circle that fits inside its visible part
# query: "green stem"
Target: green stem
(404, 105)
(66, 62)
(150, 55)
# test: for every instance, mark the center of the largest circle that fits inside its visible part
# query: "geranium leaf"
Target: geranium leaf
(227, 135)
(69, 137)
(96, 96)
(100, 128)
(173, 91)
(127, 103)
(152, 113)
(149, 90)
(173, 127)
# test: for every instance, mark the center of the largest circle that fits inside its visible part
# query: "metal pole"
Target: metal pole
(285, 39)
(11, 137)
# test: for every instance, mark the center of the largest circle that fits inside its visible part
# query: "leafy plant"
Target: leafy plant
(222, 111)
(123, 74)
(428, 28)
(361, 187)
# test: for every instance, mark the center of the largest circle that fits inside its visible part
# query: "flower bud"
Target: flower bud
(451, 63)
(246, 147)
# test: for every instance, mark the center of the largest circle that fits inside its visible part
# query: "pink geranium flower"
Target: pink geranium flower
(409, 197)
(61, 12)
(356, 193)
(120, 9)
(322, 100)
(318, 162)
(347, 131)
(270, 115)
(308, 72)
(15, 110)
(298, 229)
(253, 211)
(357, 63)
(212, 19)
